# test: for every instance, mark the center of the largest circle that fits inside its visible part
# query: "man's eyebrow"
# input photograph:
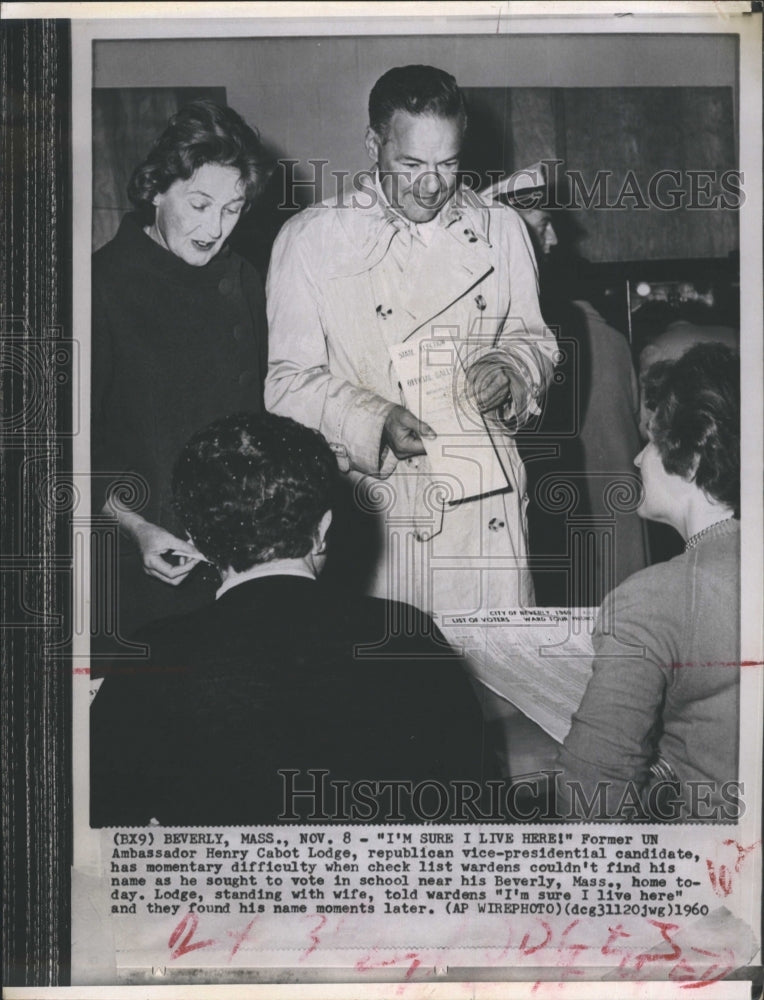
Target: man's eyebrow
(416, 159)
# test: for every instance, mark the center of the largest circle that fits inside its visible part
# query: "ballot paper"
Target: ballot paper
(463, 456)
(539, 659)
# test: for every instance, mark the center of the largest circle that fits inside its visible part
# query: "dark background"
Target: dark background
(36, 365)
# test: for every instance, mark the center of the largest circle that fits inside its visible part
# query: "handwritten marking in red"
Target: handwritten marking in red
(536, 947)
(567, 965)
(689, 972)
(189, 923)
(721, 883)
(652, 956)
(367, 964)
(239, 939)
(721, 879)
(614, 933)
(574, 949)
(505, 950)
(713, 974)
(415, 963)
(313, 934)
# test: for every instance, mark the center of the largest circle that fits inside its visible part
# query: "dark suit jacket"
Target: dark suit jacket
(281, 672)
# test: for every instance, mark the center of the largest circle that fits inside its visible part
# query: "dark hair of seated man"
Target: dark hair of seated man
(231, 710)
(253, 488)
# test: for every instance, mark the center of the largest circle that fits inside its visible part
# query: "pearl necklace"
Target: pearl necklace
(694, 539)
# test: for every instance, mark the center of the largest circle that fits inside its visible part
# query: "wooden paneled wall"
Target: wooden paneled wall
(614, 141)
(126, 121)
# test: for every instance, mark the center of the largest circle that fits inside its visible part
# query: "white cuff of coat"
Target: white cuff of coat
(361, 437)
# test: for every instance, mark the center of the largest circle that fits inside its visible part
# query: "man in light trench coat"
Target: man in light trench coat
(408, 257)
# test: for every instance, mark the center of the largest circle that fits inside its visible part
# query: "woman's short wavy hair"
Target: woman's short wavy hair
(251, 488)
(201, 132)
(695, 419)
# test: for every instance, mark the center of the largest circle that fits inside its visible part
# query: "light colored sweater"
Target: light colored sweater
(665, 685)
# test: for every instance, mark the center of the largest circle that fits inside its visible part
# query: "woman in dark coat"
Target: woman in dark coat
(178, 339)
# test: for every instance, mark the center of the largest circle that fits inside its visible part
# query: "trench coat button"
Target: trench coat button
(225, 287)
(341, 453)
(246, 378)
(239, 332)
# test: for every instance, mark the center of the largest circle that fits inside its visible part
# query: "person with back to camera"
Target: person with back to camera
(662, 722)
(178, 339)
(280, 671)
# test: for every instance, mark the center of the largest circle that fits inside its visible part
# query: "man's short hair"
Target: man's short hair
(695, 421)
(251, 488)
(419, 90)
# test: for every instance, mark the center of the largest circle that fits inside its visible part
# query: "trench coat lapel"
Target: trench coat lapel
(443, 273)
(437, 276)
(367, 238)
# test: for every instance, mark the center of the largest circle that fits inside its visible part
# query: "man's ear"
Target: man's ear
(321, 530)
(372, 144)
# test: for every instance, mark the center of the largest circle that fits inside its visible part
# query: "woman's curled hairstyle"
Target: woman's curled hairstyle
(695, 422)
(251, 488)
(201, 132)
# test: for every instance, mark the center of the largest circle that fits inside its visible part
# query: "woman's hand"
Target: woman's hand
(153, 543)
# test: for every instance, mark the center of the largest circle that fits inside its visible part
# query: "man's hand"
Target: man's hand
(152, 541)
(488, 385)
(403, 433)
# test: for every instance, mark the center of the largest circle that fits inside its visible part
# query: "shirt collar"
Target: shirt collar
(279, 567)
(369, 231)
(447, 216)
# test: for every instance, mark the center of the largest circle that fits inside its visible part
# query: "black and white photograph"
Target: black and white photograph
(401, 506)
